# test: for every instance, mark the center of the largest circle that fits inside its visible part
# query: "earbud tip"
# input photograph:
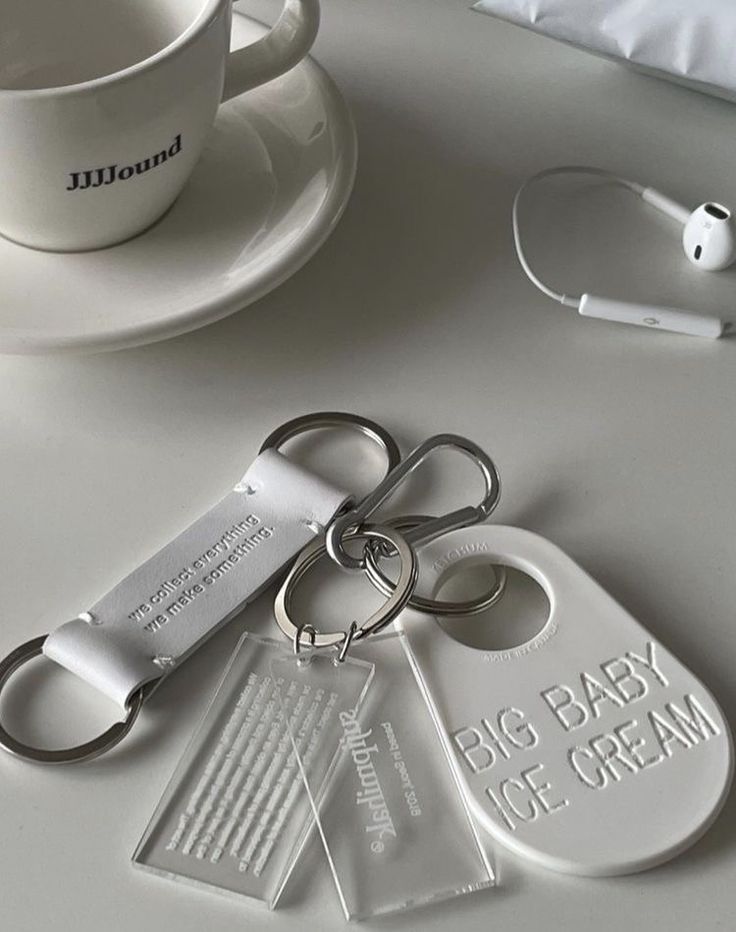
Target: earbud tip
(709, 237)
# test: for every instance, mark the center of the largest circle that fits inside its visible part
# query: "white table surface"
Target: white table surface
(616, 443)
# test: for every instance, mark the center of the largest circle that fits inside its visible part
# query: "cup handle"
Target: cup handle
(285, 45)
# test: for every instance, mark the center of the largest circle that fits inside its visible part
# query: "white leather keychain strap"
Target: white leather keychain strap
(151, 621)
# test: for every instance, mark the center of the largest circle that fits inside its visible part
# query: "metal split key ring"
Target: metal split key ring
(441, 608)
(327, 419)
(34, 648)
(396, 602)
(81, 752)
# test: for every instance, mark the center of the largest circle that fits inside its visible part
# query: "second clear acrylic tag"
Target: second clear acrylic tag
(394, 823)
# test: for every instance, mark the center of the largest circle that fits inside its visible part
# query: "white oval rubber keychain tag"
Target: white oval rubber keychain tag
(590, 749)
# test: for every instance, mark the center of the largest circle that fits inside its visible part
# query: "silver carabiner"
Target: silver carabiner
(462, 517)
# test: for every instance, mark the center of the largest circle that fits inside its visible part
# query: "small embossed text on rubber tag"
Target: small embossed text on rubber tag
(589, 749)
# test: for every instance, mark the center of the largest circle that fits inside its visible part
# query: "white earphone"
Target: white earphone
(708, 238)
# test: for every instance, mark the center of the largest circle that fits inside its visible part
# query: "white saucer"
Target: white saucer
(271, 185)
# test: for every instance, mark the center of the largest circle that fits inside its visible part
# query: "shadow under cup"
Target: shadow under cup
(58, 43)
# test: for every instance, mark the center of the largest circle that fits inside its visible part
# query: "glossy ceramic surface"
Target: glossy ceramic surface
(274, 178)
(101, 129)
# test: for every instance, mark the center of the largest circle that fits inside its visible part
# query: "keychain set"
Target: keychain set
(589, 749)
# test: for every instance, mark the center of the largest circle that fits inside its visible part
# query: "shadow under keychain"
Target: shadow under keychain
(590, 749)
(144, 628)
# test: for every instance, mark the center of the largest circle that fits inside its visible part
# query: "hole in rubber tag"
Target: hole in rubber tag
(588, 748)
(396, 828)
(520, 614)
(235, 815)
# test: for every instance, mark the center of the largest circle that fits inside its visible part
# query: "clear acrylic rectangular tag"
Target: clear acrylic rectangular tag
(235, 814)
(394, 823)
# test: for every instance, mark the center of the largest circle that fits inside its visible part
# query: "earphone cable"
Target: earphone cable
(634, 186)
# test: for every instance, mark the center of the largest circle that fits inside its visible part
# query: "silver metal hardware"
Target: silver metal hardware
(81, 752)
(311, 633)
(462, 517)
(349, 638)
(379, 619)
(438, 607)
(324, 419)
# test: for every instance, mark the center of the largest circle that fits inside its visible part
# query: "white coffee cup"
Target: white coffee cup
(105, 107)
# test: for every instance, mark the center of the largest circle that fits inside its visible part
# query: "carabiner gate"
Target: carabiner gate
(462, 517)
